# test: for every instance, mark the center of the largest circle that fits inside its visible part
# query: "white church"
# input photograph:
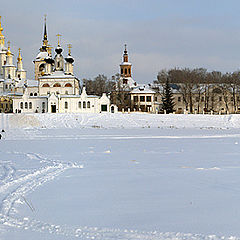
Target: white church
(55, 89)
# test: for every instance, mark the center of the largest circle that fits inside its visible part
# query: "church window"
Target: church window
(68, 85)
(45, 85)
(41, 67)
(56, 85)
(26, 105)
(149, 98)
(88, 104)
(19, 76)
(31, 94)
(30, 105)
(66, 92)
(125, 71)
(66, 105)
(129, 71)
(9, 76)
(79, 105)
(21, 105)
(121, 71)
(35, 94)
(84, 104)
(43, 105)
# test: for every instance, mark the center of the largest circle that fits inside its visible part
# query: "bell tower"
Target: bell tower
(125, 66)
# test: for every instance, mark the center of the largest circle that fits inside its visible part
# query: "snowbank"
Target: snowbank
(119, 120)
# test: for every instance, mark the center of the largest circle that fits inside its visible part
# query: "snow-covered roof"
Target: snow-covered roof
(28, 82)
(146, 89)
(125, 64)
(57, 74)
(41, 55)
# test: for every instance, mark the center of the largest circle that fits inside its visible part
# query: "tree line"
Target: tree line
(201, 84)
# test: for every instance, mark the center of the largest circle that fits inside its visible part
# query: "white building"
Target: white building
(56, 89)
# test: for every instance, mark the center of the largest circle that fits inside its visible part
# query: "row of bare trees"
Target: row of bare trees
(200, 84)
(111, 86)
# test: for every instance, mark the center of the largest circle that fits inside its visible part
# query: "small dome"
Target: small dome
(69, 59)
(58, 50)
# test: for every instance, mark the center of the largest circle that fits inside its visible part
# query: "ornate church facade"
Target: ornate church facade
(55, 88)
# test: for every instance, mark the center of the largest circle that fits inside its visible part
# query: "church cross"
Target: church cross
(69, 48)
(58, 35)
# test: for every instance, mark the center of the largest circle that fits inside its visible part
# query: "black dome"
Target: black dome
(69, 59)
(58, 50)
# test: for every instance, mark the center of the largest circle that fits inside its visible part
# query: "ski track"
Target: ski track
(16, 187)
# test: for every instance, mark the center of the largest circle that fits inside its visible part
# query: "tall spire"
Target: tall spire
(8, 51)
(19, 55)
(45, 28)
(45, 39)
(125, 55)
(1, 35)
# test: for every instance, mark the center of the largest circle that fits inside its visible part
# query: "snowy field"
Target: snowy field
(119, 177)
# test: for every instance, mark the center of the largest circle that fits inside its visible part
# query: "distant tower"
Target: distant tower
(9, 70)
(21, 73)
(3, 50)
(45, 51)
(125, 66)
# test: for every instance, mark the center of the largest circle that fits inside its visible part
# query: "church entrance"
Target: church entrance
(54, 108)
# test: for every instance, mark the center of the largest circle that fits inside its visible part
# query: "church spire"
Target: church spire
(19, 55)
(1, 35)
(45, 28)
(45, 39)
(125, 55)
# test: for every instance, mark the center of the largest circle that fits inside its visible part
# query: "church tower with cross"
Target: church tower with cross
(126, 71)
(44, 51)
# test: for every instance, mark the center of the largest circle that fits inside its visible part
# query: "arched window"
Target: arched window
(9, 76)
(21, 105)
(121, 71)
(45, 85)
(80, 104)
(35, 94)
(125, 71)
(88, 104)
(129, 71)
(41, 67)
(30, 105)
(26, 105)
(68, 85)
(43, 105)
(66, 105)
(56, 85)
(66, 92)
(84, 104)
(31, 94)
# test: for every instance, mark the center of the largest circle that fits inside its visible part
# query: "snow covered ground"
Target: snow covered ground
(119, 176)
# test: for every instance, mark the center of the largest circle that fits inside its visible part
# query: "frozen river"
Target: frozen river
(137, 183)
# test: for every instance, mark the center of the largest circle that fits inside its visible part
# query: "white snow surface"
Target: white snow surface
(119, 176)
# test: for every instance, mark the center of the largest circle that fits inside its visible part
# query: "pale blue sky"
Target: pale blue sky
(159, 33)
